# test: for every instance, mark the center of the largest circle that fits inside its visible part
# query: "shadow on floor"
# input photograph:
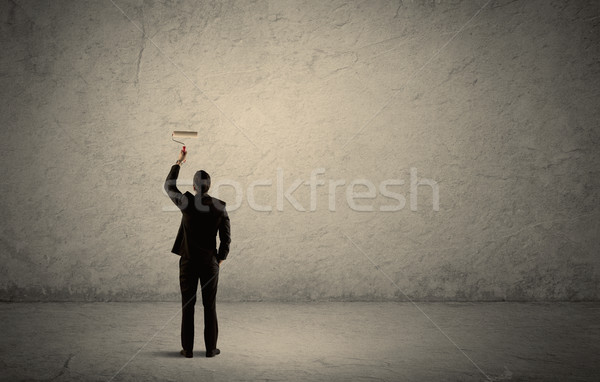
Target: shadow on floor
(167, 354)
(175, 354)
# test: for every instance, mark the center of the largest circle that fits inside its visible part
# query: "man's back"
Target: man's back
(202, 218)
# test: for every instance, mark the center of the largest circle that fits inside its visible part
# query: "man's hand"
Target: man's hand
(182, 155)
(220, 261)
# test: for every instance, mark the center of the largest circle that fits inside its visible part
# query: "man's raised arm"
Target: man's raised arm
(171, 183)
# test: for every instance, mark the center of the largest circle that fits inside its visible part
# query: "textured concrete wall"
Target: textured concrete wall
(498, 105)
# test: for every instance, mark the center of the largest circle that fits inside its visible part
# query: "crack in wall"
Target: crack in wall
(141, 52)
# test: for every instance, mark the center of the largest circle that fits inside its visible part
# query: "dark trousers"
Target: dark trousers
(208, 274)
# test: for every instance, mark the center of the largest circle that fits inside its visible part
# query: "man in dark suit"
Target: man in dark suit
(202, 217)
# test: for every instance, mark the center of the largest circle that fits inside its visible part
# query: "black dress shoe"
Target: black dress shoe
(186, 354)
(212, 353)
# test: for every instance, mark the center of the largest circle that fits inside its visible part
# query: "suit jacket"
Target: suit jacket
(202, 217)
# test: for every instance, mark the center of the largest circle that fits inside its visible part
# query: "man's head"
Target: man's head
(201, 181)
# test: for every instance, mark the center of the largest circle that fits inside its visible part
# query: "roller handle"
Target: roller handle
(184, 151)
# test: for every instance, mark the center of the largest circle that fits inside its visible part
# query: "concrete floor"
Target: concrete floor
(304, 342)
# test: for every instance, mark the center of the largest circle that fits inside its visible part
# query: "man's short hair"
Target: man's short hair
(202, 181)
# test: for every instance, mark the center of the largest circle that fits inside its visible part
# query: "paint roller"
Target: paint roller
(183, 135)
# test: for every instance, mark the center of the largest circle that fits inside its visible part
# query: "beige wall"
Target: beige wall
(500, 110)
